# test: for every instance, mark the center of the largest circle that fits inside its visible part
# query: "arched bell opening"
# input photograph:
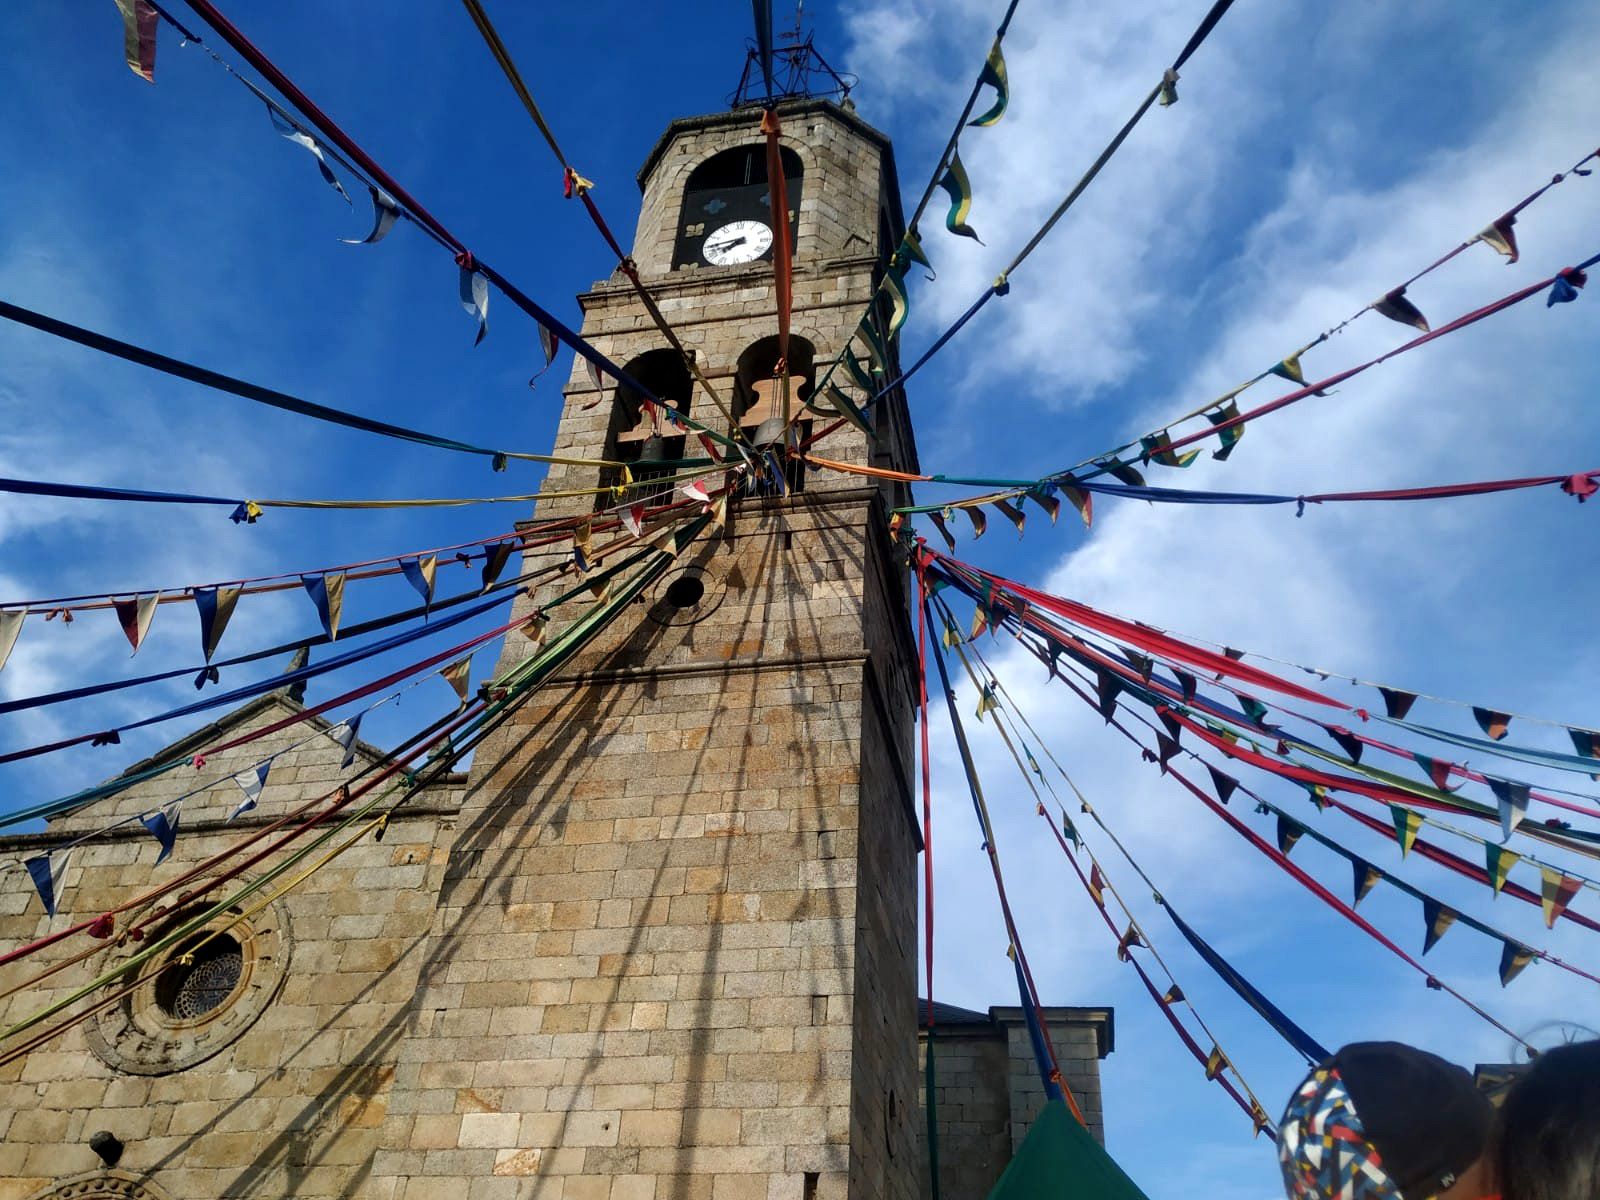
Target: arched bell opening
(644, 436)
(771, 394)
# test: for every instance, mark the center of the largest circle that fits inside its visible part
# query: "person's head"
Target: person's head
(1548, 1146)
(1383, 1121)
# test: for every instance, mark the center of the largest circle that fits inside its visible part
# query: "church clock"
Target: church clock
(727, 209)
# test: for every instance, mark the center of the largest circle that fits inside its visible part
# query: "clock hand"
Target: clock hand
(725, 245)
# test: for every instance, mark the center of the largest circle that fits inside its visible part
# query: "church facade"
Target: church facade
(659, 942)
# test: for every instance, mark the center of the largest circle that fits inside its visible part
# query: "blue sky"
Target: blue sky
(1317, 157)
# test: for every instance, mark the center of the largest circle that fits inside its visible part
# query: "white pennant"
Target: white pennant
(251, 782)
(49, 872)
(10, 626)
(632, 517)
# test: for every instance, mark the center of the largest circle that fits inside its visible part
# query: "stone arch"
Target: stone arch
(638, 437)
(731, 184)
(102, 1185)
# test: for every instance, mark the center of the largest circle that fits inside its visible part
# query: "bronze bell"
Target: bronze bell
(653, 449)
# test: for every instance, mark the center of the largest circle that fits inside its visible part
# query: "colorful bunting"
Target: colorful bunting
(1437, 918)
(135, 616)
(1216, 1061)
(419, 573)
(459, 676)
(1013, 514)
(986, 701)
(1500, 862)
(10, 627)
(955, 182)
(633, 519)
(1501, 238)
(847, 408)
(994, 74)
(1406, 824)
(1173, 995)
(473, 286)
(894, 282)
(345, 733)
(1230, 436)
(139, 37)
(980, 621)
(695, 489)
(1044, 499)
(1097, 885)
(1081, 500)
(1512, 798)
(980, 520)
(1253, 709)
(1555, 893)
(163, 826)
(494, 561)
(250, 783)
(312, 146)
(327, 593)
(1289, 832)
(1396, 307)
(1290, 369)
(215, 606)
(1494, 724)
(1437, 771)
(938, 520)
(1397, 703)
(1367, 877)
(1513, 958)
(1127, 942)
(1122, 472)
(49, 873)
(911, 251)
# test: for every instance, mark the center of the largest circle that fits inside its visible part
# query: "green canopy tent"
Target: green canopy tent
(1060, 1160)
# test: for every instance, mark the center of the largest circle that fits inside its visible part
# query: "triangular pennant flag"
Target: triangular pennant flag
(1173, 995)
(1097, 885)
(1253, 709)
(1585, 742)
(1513, 801)
(1122, 472)
(1042, 497)
(979, 519)
(1081, 500)
(533, 628)
(1215, 1062)
(1514, 956)
(139, 37)
(1367, 877)
(1229, 437)
(980, 621)
(1289, 832)
(1108, 686)
(911, 251)
(1555, 893)
(959, 187)
(1170, 723)
(215, 606)
(695, 489)
(1438, 772)
(251, 782)
(1492, 723)
(596, 380)
(459, 676)
(1290, 369)
(633, 519)
(301, 138)
(346, 733)
(1222, 784)
(1187, 684)
(1502, 238)
(951, 636)
(327, 593)
(1070, 831)
(1499, 863)
(944, 530)
(49, 874)
(894, 282)
(419, 573)
(1397, 703)
(1437, 918)
(1127, 942)
(10, 627)
(1348, 742)
(385, 212)
(1166, 747)
(1396, 307)
(986, 701)
(494, 561)
(547, 344)
(1013, 514)
(135, 616)
(473, 288)
(1565, 288)
(1141, 663)
(163, 826)
(1406, 823)
(1317, 794)
(994, 74)
(847, 408)
(1157, 448)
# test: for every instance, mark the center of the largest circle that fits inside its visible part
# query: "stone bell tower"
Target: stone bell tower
(674, 955)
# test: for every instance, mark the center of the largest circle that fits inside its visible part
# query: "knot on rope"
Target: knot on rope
(1299, 506)
(207, 675)
(1169, 88)
(1001, 286)
(64, 613)
(1363, 714)
(573, 184)
(463, 558)
(103, 926)
(199, 761)
(109, 738)
(186, 958)
(499, 462)
(466, 262)
(1434, 984)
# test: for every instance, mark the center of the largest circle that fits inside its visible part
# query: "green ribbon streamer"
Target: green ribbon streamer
(994, 74)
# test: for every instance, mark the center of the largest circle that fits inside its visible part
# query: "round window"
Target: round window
(689, 595)
(199, 995)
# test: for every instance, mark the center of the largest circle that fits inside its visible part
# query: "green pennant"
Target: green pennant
(1060, 1160)
(959, 187)
(994, 74)
(1228, 437)
(1406, 825)
(846, 408)
(894, 282)
(1500, 862)
(858, 373)
(910, 251)
(1157, 448)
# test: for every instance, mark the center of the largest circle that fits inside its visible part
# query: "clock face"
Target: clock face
(737, 242)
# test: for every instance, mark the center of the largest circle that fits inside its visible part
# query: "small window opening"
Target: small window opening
(645, 437)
